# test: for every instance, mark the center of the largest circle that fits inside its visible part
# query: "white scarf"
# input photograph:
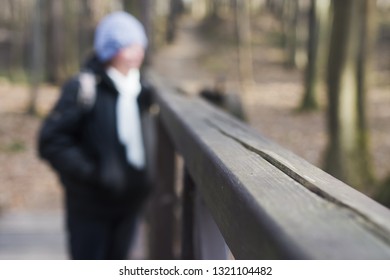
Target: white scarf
(128, 116)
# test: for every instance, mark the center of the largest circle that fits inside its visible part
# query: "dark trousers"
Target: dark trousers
(100, 238)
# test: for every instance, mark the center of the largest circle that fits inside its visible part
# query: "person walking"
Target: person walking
(93, 139)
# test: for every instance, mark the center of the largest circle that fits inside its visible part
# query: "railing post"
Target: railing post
(187, 236)
(161, 217)
(201, 237)
(209, 243)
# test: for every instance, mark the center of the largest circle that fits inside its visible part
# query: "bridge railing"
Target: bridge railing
(240, 188)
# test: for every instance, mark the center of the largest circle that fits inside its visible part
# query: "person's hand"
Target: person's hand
(111, 178)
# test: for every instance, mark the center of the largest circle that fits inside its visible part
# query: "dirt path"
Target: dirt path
(178, 63)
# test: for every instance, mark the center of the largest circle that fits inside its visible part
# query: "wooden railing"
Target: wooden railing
(239, 187)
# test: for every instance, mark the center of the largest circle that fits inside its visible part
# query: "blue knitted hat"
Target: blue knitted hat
(116, 31)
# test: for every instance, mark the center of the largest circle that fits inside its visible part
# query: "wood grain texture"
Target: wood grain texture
(267, 202)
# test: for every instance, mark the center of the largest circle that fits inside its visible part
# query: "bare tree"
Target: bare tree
(147, 20)
(18, 25)
(317, 52)
(176, 7)
(291, 24)
(347, 155)
(37, 56)
(133, 7)
(55, 41)
(244, 39)
(86, 28)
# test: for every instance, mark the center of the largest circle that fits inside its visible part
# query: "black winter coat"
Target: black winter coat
(84, 148)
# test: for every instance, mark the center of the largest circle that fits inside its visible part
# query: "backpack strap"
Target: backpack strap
(87, 90)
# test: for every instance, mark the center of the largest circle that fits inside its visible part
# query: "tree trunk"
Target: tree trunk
(16, 54)
(347, 153)
(146, 19)
(292, 10)
(317, 47)
(86, 29)
(37, 57)
(366, 43)
(213, 6)
(133, 7)
(176, 9)
(71, 53)
(55, 41)
(244, 39)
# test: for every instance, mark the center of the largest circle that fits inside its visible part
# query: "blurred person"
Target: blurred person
(93, 139)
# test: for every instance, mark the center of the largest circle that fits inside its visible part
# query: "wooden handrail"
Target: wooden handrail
(267, 202)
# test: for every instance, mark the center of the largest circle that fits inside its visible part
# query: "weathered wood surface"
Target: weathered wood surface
(267, 202)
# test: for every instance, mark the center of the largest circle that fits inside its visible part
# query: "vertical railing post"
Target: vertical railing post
(161, 214)
(201, 237)
(187, 234)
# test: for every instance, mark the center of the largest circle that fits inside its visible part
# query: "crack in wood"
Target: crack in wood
(307, 182)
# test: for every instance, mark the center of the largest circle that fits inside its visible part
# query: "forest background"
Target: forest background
(312, 75)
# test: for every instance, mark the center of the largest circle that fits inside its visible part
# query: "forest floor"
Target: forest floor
(193, 62)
